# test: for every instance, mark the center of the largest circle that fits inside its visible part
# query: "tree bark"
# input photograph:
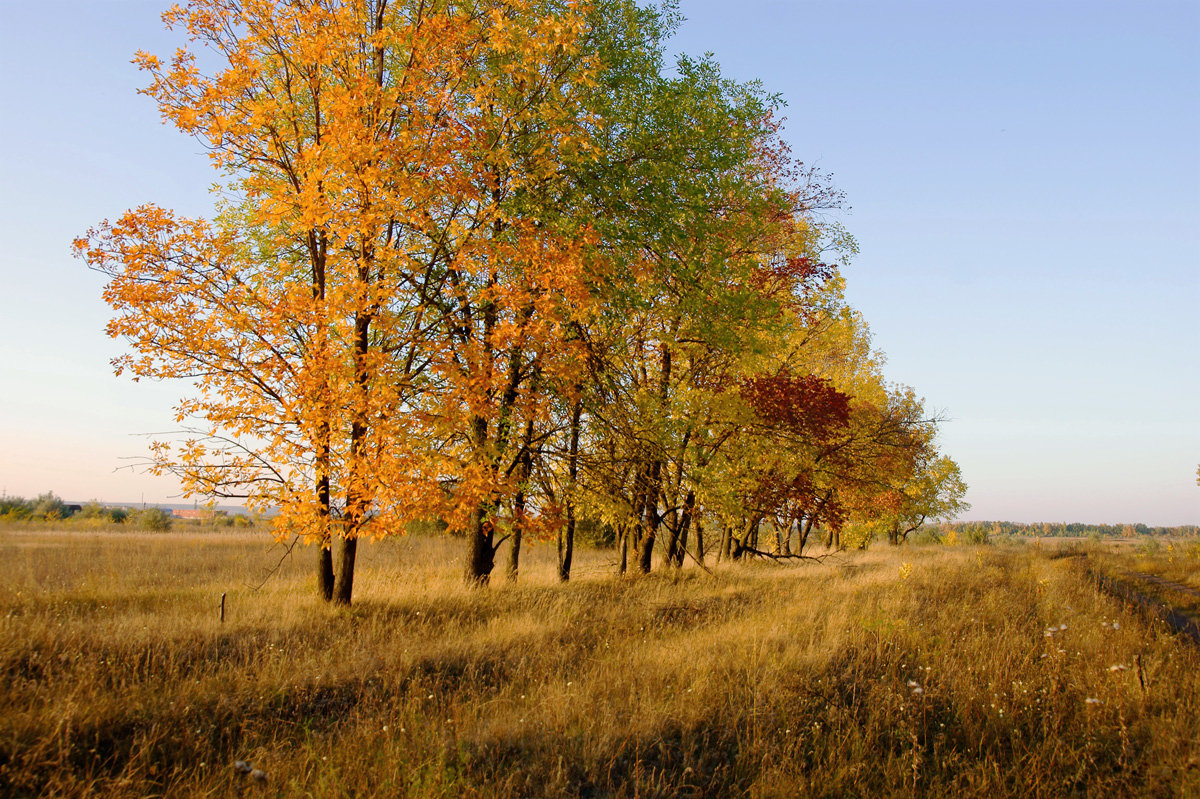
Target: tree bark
(805, 531)
(566, 539)
(514, 549)
(344, 584)
(623, 549)
(481, 553)
(678, 541)
(518, 533)
(736, 541)
(325, 571)
(325, 552)
(566, 546)
(645, 527)
(651, 522)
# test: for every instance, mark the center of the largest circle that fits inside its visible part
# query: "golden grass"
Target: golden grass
(894, 672)
(1169, 573)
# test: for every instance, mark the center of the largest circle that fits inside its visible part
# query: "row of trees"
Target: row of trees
(495, 263)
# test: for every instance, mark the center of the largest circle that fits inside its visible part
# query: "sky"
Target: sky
(1023, 180)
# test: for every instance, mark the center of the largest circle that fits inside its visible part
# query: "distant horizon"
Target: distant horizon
(181, 505)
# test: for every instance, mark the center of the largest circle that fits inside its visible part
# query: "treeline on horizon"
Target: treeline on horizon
(984, 530)
(49, 508)
(507, 267)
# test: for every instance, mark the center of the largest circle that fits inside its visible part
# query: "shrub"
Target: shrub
(155, 519)
(48, 507)
(15, 508)
(1149, 545)
(929, 535)
(595, 533)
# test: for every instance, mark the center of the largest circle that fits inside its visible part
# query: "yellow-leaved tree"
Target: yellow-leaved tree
(356, 320)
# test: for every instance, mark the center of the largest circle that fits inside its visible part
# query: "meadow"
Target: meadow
(940, 671)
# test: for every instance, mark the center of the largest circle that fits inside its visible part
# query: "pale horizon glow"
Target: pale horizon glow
(1024, 183)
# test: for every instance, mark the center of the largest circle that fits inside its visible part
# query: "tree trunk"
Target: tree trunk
(736, 542)
(343, 586)
(357, 500)
(650, 532)
(566, 546)
(514, 551)
(566, 539)
(481, 553)
(317, 250)
(805, 531)
(685, 529)
(646, 552)
(699, 542)
(648, 523)
(325, 571)
(325, 552)
(623, 550)
(636, 531)
(678, 541)
(656, 471)
(723, 549)
(671, 523)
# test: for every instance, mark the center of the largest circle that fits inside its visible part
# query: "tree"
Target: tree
(350, 306)
(934, 491)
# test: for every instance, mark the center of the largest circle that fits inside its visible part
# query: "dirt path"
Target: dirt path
(1165, 583)
(1178, 621)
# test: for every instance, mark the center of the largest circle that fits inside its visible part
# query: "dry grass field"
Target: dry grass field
(990, 671)
(1168, 573)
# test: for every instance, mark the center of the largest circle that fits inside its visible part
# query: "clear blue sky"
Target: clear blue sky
(1025, 186)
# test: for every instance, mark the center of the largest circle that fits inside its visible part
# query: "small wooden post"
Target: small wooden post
(222, 608)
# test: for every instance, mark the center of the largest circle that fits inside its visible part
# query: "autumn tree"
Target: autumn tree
(896, 478)
(346, 319)
(709, 211)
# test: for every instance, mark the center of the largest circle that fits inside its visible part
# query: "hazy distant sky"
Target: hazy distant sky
(1024, 180)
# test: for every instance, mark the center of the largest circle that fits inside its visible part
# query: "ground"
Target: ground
(968, 671)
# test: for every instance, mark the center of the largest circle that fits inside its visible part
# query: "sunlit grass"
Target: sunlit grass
(942, 671)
